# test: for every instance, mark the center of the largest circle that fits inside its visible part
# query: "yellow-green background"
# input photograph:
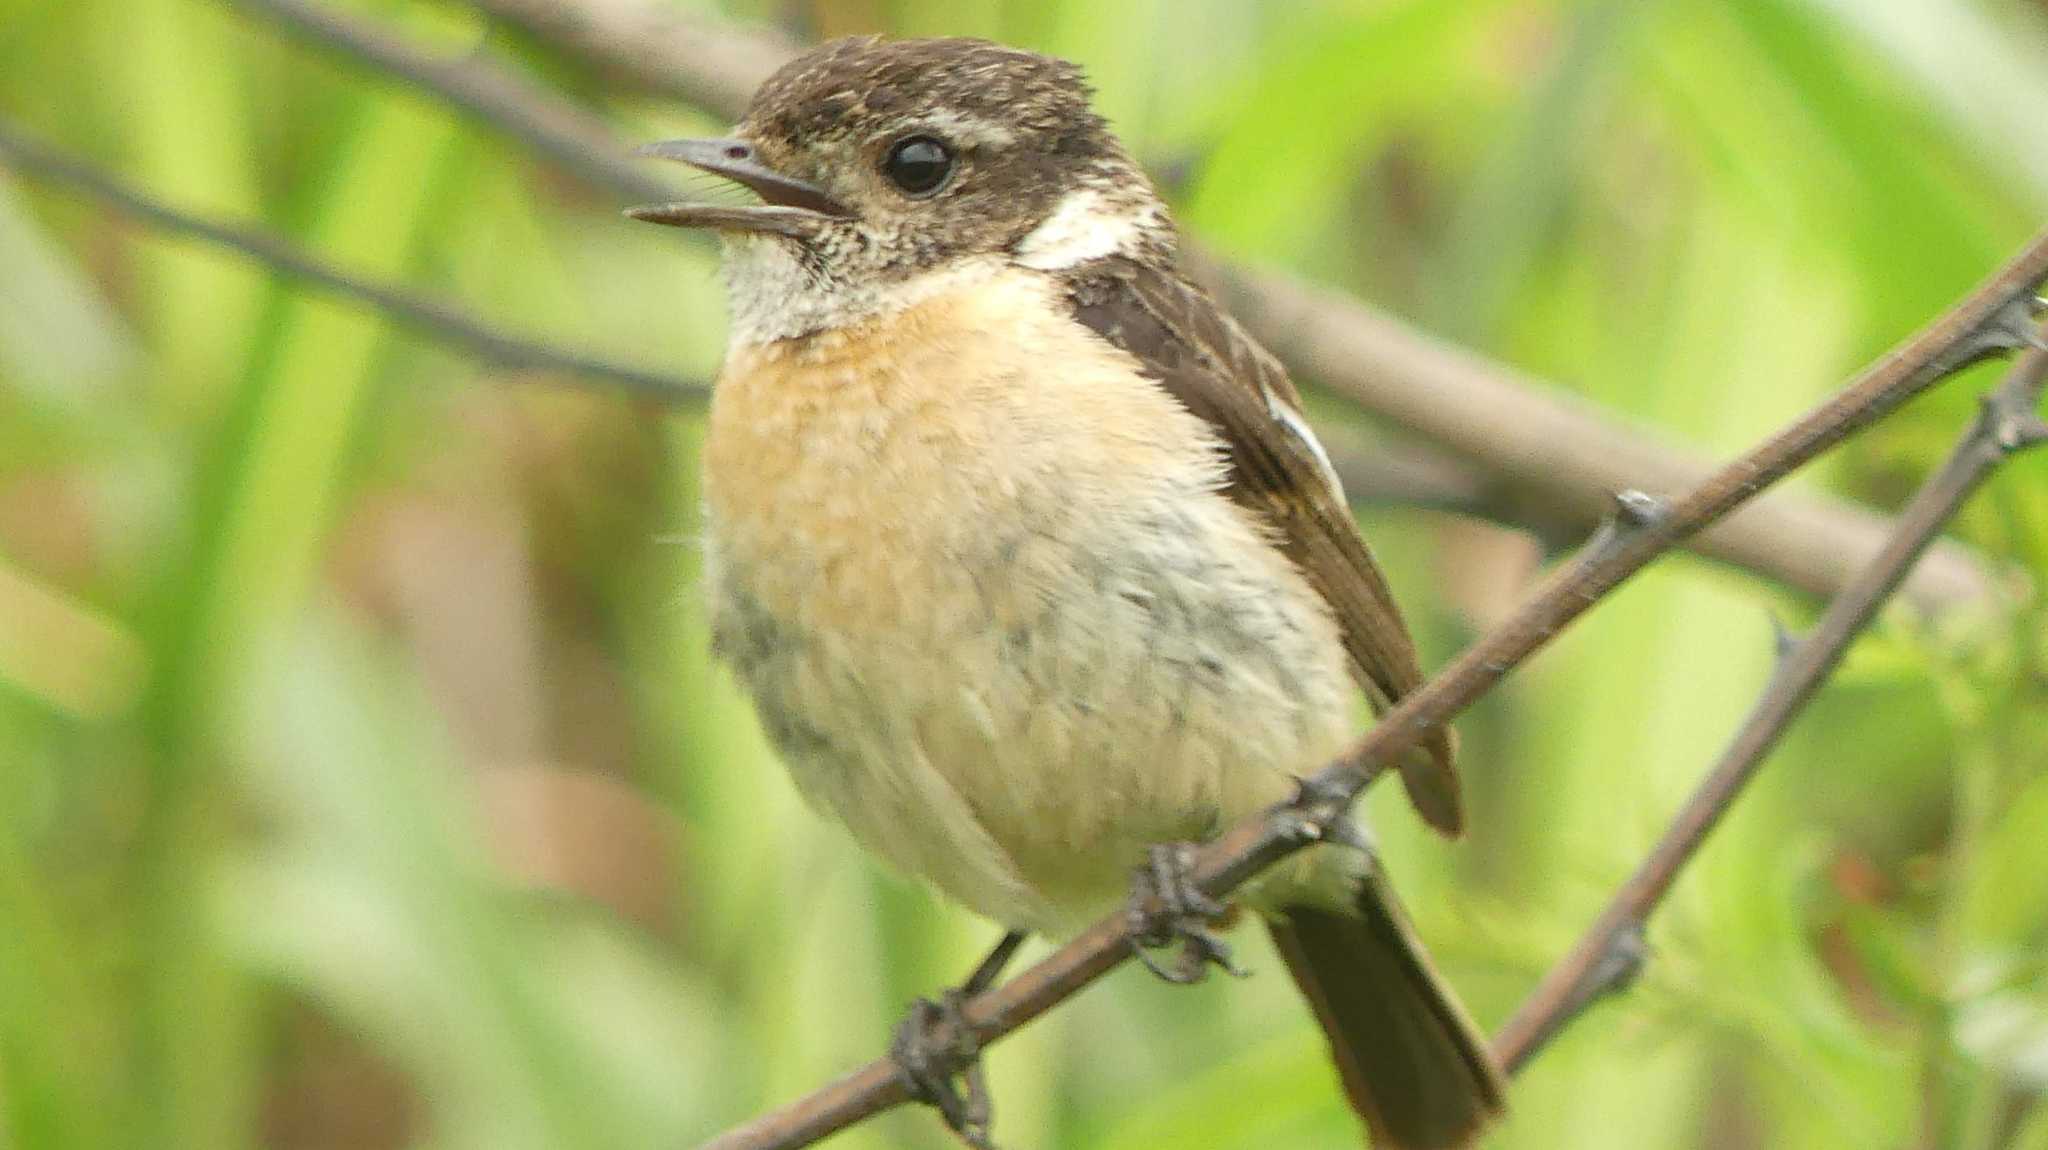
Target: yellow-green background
(365, 780)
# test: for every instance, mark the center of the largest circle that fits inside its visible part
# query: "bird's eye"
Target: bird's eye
(918, 165)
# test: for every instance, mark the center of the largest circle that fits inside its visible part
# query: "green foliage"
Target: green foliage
(365, 778)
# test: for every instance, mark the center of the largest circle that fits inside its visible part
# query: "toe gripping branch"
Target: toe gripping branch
(936, 1044)
(929, 1043)
(1166, 906)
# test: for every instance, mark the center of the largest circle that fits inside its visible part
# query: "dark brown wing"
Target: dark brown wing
(1278, 470)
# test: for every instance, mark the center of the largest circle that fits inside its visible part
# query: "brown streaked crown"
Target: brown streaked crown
(853, 83)
(1018, 125)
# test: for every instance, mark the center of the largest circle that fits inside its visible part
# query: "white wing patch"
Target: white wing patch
(1284, 414)
(1085, 227)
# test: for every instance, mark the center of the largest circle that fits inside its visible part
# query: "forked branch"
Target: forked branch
(1612, 949)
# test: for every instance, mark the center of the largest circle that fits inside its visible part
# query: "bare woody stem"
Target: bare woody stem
(559, 130)
(653, 48)
(1529, 455)
(428, 316)
(1607, 957)
(1995, 317)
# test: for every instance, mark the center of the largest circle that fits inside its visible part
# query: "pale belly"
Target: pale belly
(1005, 638)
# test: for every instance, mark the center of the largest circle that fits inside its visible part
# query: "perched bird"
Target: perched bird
(1023, 548)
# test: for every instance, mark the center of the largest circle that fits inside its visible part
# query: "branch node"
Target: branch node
(1620, 965)
(2012, 428)
(1783, 640)
(1348, 833)
(1631, 511)
(1639, 509)
(1316, 812)
(2009, 328)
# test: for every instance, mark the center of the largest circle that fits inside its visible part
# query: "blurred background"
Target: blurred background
(365, 779)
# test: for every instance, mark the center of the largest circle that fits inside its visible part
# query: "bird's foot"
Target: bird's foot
(933, 1046)
(1184, 914)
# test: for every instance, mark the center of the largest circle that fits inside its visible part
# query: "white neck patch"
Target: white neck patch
(1085, 227)
(773, 297)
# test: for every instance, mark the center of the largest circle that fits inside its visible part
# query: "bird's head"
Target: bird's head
(883, 167)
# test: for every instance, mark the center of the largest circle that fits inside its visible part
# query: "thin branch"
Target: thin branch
(536, 117)
(1547, 460)
(427, 316)
(1993, 318)
(1609, 954)
(646, 48)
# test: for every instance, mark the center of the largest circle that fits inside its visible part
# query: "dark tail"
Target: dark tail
(1415, 1067)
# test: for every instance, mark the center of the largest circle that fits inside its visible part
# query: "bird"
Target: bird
(1026, 554)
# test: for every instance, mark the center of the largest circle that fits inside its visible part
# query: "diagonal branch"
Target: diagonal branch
(1608, 956)
(644, 47)
(1545, 459)
(430, 317)
(1994, 318)
(551, 126)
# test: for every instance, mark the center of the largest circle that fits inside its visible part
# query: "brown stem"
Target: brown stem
(428, 316)
(555, 128)
(648, 48)
(1544, 459)
(1610, 952)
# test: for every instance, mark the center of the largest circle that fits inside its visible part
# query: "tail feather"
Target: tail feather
(1416, 1069)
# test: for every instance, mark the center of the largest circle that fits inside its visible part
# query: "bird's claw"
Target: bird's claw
(1185, 914)
(932, 1040)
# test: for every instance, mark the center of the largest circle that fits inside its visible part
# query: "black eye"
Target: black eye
(918, 165)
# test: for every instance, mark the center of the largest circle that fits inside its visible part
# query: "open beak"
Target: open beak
(789, 206)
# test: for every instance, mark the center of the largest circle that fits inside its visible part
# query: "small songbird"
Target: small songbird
(1023, 548)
